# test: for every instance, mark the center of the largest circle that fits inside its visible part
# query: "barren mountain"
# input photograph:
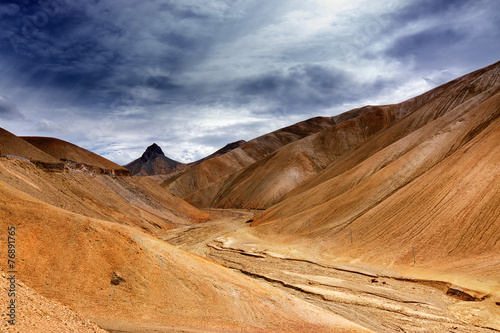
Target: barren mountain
(153, 162)
(214, 170)
(265, 182)
(362, 133)
(226, 149)
(92, 242)
(420, 196)
(76, 157)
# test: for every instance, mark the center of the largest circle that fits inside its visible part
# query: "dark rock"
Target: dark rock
(116, 279)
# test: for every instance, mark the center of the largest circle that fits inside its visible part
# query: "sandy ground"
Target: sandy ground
(35, 313)
(379, 300)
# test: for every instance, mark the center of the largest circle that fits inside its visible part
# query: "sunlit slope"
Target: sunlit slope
(339, 148)
(265, 182)
(457, 96)
(403, 136)
(434, 190)
(10, 144)
(134, 201)
(117, 275)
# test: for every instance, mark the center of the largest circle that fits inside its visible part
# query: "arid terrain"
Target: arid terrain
(381, 219)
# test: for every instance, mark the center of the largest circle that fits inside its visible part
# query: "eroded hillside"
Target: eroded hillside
(356, 136)
(125, 279)
(432, 192)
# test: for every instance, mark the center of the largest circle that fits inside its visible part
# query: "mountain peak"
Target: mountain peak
(151, 151)
(153, 162)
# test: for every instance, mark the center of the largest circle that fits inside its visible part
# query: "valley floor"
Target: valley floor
(377, 300)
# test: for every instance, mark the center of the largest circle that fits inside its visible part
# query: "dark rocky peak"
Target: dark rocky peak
(151, 152)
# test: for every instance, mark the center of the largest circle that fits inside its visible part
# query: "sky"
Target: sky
(114, 76)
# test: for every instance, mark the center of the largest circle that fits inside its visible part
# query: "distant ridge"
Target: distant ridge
(153, 161)
(226, 149)
(210, 173)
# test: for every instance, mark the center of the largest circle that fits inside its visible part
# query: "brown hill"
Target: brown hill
(427, 184)
(12, 145)
(134, 201)
(127, 280)
(76, 157)
(153, 162)
(212, 171)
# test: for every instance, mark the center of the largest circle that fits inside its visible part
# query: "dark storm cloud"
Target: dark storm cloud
(296, 78)
(450, 33)
(297, 87)
(420, 44)
(306, 86)
(81, 49)
(53, 47)
(8, 9)
(419, 9)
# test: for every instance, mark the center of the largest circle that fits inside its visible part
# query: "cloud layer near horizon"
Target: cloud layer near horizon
(191, 75)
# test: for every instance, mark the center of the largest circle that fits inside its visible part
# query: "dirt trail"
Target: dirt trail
(369, 297)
